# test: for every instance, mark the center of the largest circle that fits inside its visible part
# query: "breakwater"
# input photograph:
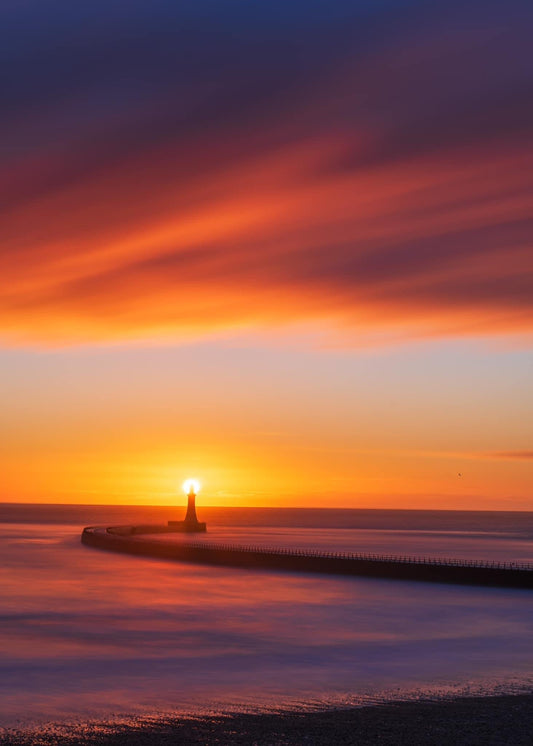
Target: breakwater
(126, 539)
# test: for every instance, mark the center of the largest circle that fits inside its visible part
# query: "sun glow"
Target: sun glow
(191, 485)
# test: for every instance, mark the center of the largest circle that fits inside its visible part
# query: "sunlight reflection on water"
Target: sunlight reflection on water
(84, 631)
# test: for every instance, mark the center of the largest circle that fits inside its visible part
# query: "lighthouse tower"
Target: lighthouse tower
(191, 524)
(190, 516)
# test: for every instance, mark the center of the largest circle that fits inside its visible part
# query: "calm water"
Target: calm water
(85, 633)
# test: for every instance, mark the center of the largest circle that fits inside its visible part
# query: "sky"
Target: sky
(284, 248)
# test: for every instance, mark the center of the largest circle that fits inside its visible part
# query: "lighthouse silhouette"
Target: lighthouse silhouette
(190, 516)
(191, 524)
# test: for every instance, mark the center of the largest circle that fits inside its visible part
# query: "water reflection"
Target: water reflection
(84, 631)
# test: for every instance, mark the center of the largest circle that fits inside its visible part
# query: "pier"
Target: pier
(126, 539)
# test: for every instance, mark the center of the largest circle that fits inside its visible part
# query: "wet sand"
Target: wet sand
(477, 721)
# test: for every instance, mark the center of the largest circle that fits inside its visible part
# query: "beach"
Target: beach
(478, 721)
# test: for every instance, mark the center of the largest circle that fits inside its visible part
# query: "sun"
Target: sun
(191, 485)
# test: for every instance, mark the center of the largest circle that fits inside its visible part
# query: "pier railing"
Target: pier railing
(361, 556)
(131, 540)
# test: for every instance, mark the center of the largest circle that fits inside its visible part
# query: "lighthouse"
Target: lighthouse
(190, 516)
(191, 524)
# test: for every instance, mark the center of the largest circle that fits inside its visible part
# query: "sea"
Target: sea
(92, 636)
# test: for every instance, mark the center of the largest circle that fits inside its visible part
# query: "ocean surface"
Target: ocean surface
(90, 634)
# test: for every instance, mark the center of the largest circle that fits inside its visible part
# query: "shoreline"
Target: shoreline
(495, 720)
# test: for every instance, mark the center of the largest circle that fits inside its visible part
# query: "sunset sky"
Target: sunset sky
(282, 247)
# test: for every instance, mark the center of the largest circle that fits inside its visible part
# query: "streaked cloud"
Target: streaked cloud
(181, 171)
(513, 455)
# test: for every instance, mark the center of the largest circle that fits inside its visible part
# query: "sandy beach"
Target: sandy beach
(471, 721)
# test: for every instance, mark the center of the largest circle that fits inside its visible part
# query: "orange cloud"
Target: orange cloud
(377, 182)
(513, 455)
(436, 244)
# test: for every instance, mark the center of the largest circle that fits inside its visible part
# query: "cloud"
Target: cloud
(513, 455)
(182, 171)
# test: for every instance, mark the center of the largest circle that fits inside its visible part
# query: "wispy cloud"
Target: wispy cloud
(160, 180)
(513, 455)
